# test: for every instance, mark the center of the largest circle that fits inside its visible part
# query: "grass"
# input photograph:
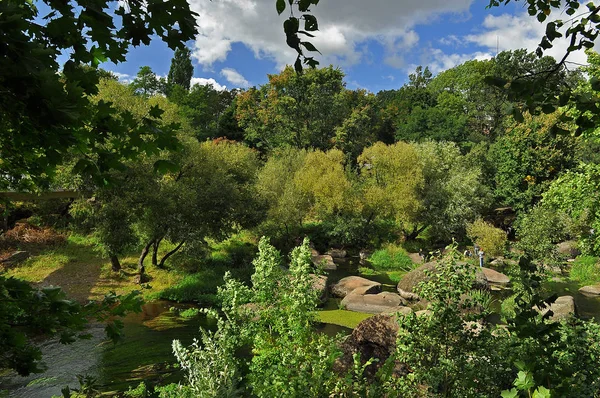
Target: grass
(393, 276)
(391, 258)
(586, 270)
(349, 319)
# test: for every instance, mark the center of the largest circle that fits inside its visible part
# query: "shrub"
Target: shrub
(586, 270)
(490, 239)
(391, 258)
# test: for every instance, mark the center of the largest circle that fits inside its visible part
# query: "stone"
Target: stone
(325, 261)
(337, 253)
(385, 302)
(408, 295)
(15, 258)
(346, 285)
(562, 308)
(423, 313)
(568, 249)
(364, 255)
(411, 279)
(416, 258)
(497, 262)
(494, 277)
(375, 337)
(314, 252)
(590, 291)
(320, 285)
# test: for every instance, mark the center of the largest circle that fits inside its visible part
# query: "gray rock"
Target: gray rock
(416, 258)
(325, 261)
(408, 295)
(346, 285)
(497, 262)
(568, 249)
(411, 279)
(494, 277)
(385, 302)
(562, 308)
(590, 291)
(337, 253)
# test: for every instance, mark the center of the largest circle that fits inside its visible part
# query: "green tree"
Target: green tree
(181, 70)
(147, 83)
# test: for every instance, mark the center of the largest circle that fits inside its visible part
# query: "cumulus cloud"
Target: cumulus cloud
(123, 77)
(345, 26)
(203, 82)
(234, 77)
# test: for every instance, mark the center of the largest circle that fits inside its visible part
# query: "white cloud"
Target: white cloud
(123, 77)
(234, 77)
(345, 26)
(203, 82)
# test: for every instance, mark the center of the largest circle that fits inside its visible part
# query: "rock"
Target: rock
(15, 258)
(375, 337)
(416, 258)
(320, 285)
(497, 262)
(385, 302)
(364, 255)
(346, 285)
(590, 291)
(325, 261)
(423, 313)
(494, 277)
(568, 249)
(314, 252)
(337, 253)
(411, 279)
(562, 308)
(408, 295)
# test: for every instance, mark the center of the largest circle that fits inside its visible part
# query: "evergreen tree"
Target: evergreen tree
(181, 69)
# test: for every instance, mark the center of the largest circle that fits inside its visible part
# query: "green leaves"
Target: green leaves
(280, 5)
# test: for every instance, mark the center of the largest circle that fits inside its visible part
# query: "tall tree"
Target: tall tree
(182, 70)
(147, 83)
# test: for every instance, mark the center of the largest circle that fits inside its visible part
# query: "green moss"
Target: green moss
(344, 318)
(586, 270)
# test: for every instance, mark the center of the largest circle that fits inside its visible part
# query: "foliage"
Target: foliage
(28, 312)
(146, 82)
(490, 239)
(539, 230)
(575, 193)
(449, 351)
(181, 70)
(585, 270)
(527, 158)
(54, 116)
(391, 258)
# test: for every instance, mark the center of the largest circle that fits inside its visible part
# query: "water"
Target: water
(144, 354)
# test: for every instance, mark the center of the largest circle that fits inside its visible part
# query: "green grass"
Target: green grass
(586, 270)
(391, 258)
(349, 319)
(393, 276)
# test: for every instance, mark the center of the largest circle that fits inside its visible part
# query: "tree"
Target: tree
(147, 83)
(34, 142)
(181, 70)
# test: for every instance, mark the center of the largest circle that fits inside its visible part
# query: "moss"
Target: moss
(344, 318)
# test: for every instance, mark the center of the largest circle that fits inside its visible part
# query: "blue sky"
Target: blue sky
(377, 43)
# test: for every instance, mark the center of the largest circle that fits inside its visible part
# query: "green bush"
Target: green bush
(490, 239)
(586, 270)
(391, 258)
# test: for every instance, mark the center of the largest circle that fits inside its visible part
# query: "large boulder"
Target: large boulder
(568, 249)
(590, 291)
(375, 337)
(494, 277)
(411, 279)
(346, 285)
(385, 302)
(416, 258)
(325, 261)
(562, 308)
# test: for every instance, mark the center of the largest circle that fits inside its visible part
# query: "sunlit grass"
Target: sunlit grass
(586, 270)
(349, 319)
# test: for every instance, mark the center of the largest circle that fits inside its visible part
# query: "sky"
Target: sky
(377, 43)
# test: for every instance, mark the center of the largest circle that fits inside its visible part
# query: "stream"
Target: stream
(145, 352)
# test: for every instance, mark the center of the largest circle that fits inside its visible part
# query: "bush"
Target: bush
(586, 270)
(490, 239)
(391, 258)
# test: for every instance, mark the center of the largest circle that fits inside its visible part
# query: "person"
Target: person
(467, 253)
(476, 249)
(481, 254)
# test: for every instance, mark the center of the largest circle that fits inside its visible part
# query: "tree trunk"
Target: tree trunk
(169, 254)
(156, 245)
(415, 232)
(145, 250)
(114, 261)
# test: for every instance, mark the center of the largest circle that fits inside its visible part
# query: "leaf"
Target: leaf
(280, 5)
(309, 46)
(298, 65)
(310, 23)
(542, 392)
(595, 83)
(513, 393)
(524, 381)
(495, 81)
